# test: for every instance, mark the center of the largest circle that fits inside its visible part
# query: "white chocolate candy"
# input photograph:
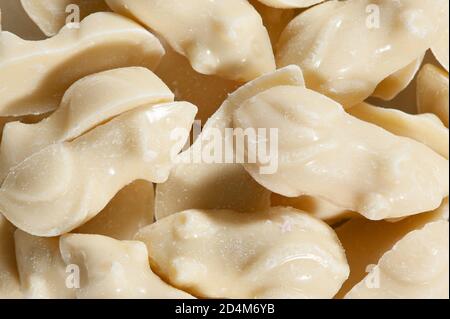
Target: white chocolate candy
(9, 277)
(197, 184)
(440, 46)
(390, 87)
(424, 128)
(114, 269)
(286, 4)
(415, 268)
(41, 268)
(64, 185)
(314, 206)
(51, 15)
(346, 48)
(366, 241)
(326, 153)
(280, 253)
(433, 92)
(88, 103)
(225, 38)
(130, 210)
(51, 66)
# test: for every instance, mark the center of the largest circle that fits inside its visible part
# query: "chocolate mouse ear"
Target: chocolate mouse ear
(66, 184)
(224, 38)
(114, 269)
(102, 42)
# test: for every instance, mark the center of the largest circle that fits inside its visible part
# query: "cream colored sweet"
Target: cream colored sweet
(65, 185)
(42, 271)
(440, 46)
(395, 83)
(286, 4)
(130, 210)
(112, 269)
(196, 183)
(225, 38)
(347, 48)
(432, 92)
(424, 128)
(366, 241)
(89, 102)
(51, 15)
(9, 277)
(331, 152)
(279, 253)
(415, 268)
(315, 207)
(47, 65)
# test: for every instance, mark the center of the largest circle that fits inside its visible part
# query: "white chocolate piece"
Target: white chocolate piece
(89, 102)
(130, 210)
(51, 15)
(366, 241)
(207, 92)
(9, 277)
(415, 268)
(390, 87)
(314, 206)
(346, 48)
(288, 4)
(331, 152)
(41, 268)
(225, 38)
(424, 128)
(64, 185)
(112, 269)
(433, 92)
(440, 46)
(48, 65)
(200, 185)
(274, 19)
(279, 253)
